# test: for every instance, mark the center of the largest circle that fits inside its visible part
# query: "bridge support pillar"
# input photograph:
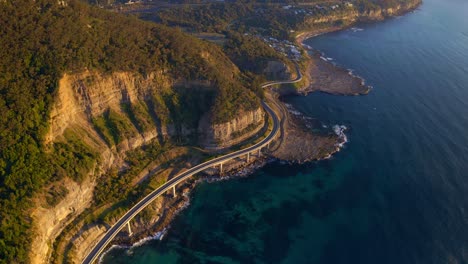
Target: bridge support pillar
(220, 168)
(129, 229)
(174, 192)
(248, 157)
(259, 152)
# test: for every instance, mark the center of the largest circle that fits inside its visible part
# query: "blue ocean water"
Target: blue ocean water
(397, 192)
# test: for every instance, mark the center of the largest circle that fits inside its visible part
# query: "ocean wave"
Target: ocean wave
(356, 29)
(128, 249)
(157, 236)
(342, 139)
(351, 73)
(340, 132)
(307, 46)
(292, 110)
(323, 58)
(101, 258)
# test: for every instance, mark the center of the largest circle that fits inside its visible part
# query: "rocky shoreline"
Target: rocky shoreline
(323, 75)
(171, 207)
(296, 136)
(333, 79)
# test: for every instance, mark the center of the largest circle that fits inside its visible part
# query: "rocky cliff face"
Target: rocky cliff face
(353, 15)
(84, 96)
(136, 102)
(51, 221)
(233, 132)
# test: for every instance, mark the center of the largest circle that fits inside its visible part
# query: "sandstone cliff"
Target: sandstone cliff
(114, 113)
(86, 96)
(353, 14)
(232, 132)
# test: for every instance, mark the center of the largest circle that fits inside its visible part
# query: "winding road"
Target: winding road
(142, 204)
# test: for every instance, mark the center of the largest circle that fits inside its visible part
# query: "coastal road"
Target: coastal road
(142, 204)
(298, 79)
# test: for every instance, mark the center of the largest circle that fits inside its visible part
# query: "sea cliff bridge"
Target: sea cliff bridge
(172, 183)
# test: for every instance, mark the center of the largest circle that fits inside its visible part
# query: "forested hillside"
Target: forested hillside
(273, 18)
(44, 39)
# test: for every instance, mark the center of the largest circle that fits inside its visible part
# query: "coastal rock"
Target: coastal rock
(82, 98)
(326, 77)
(224, 135)
(298, 143)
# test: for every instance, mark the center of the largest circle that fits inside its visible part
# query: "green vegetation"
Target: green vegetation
(43, 39)
(250, 53)
(244, 131)
(117, 187)
(213, 17)
(73, 158)
(113, 127)
(269, 18)
(138, 115)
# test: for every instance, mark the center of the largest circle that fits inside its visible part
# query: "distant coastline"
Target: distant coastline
(328, 77)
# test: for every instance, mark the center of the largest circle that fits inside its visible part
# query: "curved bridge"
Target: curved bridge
(171, 184)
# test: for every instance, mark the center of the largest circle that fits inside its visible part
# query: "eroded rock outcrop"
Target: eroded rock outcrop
(136, 104)
(233, 132)
(84, 96)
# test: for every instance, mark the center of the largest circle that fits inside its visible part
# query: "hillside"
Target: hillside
(66, 50)
(89, 98)
(279, 19)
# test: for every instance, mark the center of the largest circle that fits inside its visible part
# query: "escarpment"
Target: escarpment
(233, 132)
(354, 13)
(92, 101)
(113, 113)
(125, 110)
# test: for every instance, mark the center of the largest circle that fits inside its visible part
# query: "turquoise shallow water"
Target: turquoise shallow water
(397, 192)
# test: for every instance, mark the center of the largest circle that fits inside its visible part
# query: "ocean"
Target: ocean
(396, 193)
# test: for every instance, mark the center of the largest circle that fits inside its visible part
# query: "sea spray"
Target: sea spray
(342, 139)
(156, 236)
(356, 29)
(339, 131)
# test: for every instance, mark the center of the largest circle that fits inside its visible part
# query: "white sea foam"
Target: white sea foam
(342, 139)
(292, 110)
(307, 46)
(110, 249)
(351, 73)
(157, 236)
(356, 29)
(340, 132)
